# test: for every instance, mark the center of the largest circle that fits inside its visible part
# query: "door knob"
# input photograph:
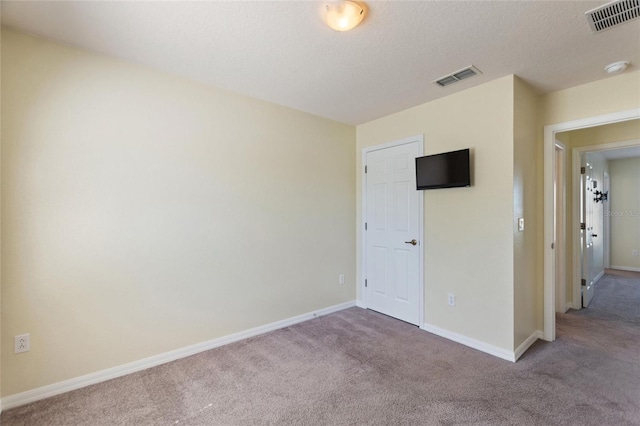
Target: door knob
(594, 235)
(412, 242)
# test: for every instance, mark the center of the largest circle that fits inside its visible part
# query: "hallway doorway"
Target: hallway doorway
(596, 127)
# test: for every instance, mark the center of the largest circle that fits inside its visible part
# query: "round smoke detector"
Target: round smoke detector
(616, 67)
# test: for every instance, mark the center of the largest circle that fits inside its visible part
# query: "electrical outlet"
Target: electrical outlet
(634, 252)
(22, 343)
(452, 299)
(341, 279)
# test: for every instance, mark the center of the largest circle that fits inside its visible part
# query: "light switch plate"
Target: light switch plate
(521, 224)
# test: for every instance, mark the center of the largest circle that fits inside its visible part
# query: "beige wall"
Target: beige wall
(526, 277)
(468, 241)
(593, 136)
(609, 95)
(624, 206)
(599, 135)
(142, 213)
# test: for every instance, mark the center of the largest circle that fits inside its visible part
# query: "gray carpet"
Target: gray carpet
(360, 367)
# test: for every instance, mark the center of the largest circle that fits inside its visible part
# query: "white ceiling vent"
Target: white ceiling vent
(612, 14)
(467, 72)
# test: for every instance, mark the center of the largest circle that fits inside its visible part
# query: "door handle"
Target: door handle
(594, 235)
(412, 242)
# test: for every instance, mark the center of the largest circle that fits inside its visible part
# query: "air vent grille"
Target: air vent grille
(447, 81)
(613, 14)
(455, 77)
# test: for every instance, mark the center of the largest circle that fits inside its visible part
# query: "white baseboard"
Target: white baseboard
(472, 343)
(485, 347)
(597, 278)
(520, 350)
(22, 398)
(361, 304)
(568, 306)
(625, 268)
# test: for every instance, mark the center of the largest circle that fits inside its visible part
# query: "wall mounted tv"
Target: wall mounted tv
(446, 170)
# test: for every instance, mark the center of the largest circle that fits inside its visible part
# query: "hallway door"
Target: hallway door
(586, 230)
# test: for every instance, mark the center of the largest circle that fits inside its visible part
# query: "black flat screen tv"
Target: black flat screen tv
(446, 170)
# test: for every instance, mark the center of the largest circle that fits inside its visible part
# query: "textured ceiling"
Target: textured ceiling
(617, 154)
(282, 52)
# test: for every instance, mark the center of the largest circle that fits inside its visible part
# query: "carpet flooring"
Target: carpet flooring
(360, 367)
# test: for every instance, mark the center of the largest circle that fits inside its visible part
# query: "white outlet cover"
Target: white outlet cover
(341, 278)
(22, 343)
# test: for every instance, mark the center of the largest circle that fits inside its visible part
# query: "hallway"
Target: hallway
(617, 298)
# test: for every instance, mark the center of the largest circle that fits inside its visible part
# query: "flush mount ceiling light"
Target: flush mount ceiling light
(616, 67)
(342, 15)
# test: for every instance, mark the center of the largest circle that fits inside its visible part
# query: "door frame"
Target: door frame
(560, 240)
(550, 131)
(575, 217)
(418, 139)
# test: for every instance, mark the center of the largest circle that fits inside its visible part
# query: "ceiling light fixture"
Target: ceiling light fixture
(342, 15)
(616, 67)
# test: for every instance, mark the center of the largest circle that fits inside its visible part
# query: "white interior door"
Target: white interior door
(586, 230)
(392, 218)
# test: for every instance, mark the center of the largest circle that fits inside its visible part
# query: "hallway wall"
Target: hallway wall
(625, 213)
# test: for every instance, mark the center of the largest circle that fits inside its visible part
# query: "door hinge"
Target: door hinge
(583, 170)
(553, 246)
(365, 169)
(365, 282)
(583, 282)
(583, 226)
(365, 226)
